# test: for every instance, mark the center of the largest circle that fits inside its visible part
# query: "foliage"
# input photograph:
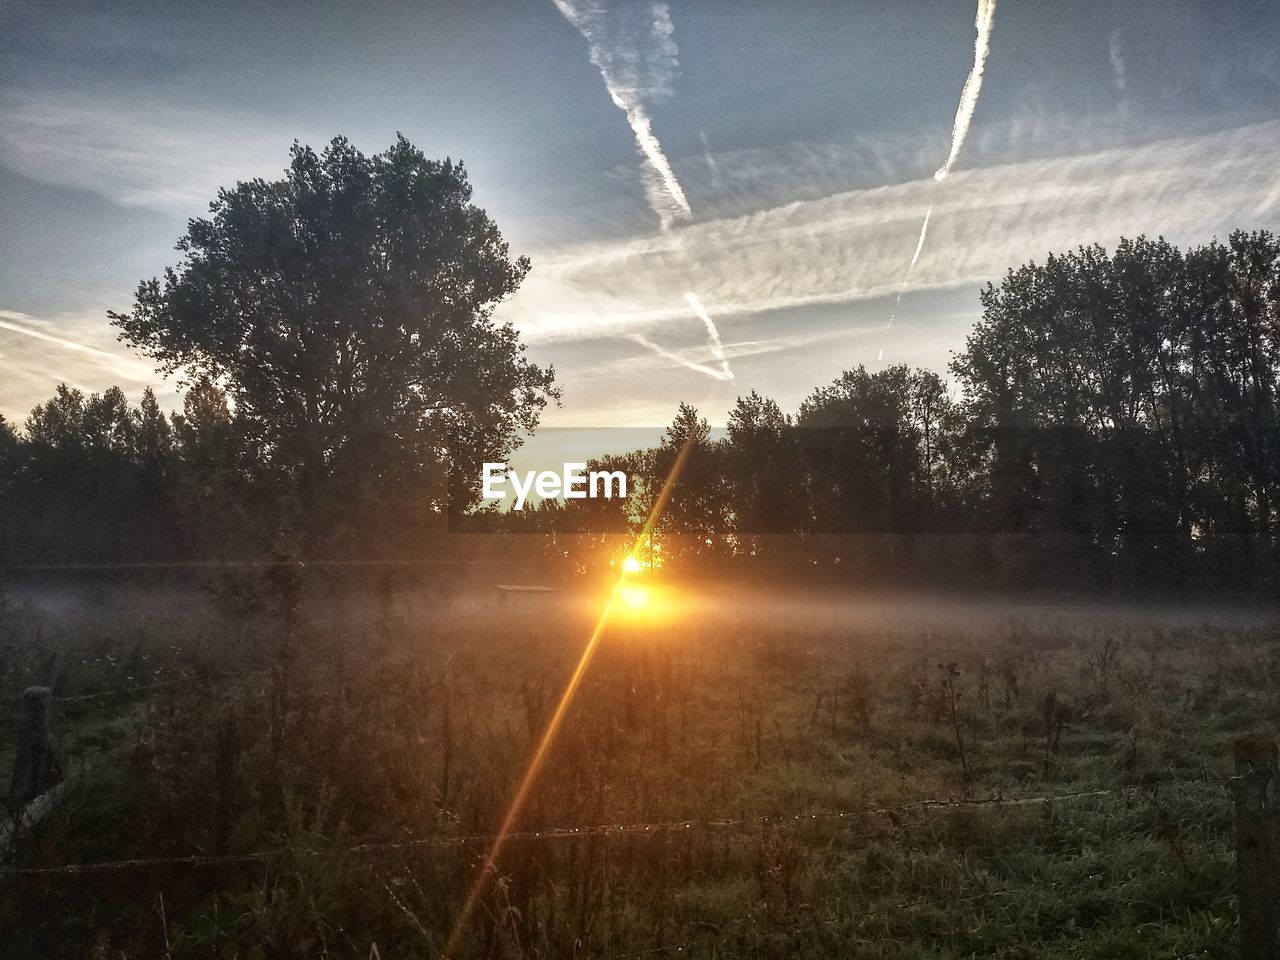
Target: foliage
(1124, 408)
(347, 311)
(1114, 425)
(761, 707)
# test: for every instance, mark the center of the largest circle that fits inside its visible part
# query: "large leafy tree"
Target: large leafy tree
(347, 311)
(1125, 407)
(763, 477)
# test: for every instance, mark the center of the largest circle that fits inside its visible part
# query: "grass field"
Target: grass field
(344, 778)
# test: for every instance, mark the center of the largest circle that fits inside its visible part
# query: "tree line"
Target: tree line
(1110, 422)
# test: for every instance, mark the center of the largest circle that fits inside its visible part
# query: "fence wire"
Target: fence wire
(650, 829)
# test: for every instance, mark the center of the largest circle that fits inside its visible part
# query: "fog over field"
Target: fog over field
(606, 479)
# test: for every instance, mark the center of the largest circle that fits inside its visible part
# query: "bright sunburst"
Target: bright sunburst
(637, 598)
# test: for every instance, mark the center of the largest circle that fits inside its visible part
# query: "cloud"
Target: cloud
(136, 153)
(75, 349)
(851, 245)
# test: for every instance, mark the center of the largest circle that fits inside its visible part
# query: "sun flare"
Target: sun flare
(637, 598)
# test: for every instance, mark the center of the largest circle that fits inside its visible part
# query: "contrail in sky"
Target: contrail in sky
(1117, 62)
(717, 348)
(124, 366)
(959, 129)
(632, 79)
(915, 258)
(1119, 75)
(633, 76)
(924, 230)
(682, 361)
(7, 324)
(972, 85)
(716, 180)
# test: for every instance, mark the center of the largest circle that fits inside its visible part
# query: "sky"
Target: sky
(717, 197)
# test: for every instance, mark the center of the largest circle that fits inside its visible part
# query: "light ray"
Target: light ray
(561, 711)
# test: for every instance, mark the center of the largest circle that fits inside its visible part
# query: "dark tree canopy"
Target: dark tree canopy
(347, 311)
(766, 486)
(1124, 407)
(1116, 426)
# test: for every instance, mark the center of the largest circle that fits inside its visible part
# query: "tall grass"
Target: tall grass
(395, 719)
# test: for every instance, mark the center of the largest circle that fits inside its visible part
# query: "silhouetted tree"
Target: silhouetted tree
(696, 512)
(765, 482)
(88, 482)
(347, 310)
(11, 523)
(1125, 408)
(1118, 421)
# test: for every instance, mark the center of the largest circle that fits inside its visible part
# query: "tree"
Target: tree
(152, 437)
(222, 490)
(765, 484)
(347, 311)
(11, 455)
(695, 510)
(864, 454)
(1232, 355)
(90, 481)
(1125, 408)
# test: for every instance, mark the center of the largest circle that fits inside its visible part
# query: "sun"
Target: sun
(630, 565)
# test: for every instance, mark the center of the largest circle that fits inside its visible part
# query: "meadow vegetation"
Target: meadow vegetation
(775, 746)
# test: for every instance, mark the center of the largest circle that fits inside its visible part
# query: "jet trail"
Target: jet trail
(631, 79)
(676, 358)
(717, 348)
(123, 366)
(716, 180)
(972, 85)
(983, 23)
(915, 258)
(924, 229)
(1119, 74)
(7, 324)
(633, 76)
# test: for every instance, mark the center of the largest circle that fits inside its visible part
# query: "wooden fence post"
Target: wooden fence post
(1258, 846)
(33, 765)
